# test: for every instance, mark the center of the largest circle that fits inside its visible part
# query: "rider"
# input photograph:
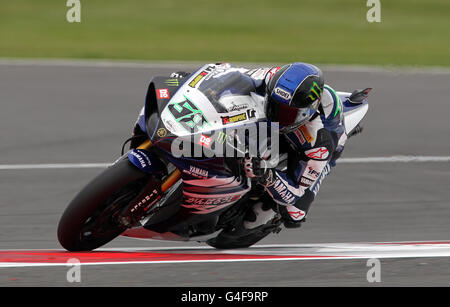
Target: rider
(310, 116)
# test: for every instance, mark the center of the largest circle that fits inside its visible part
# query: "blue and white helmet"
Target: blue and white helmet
(293, 95)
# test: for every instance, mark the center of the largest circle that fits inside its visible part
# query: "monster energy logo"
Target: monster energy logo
(314, 92)
(222, 137)
(172, 82)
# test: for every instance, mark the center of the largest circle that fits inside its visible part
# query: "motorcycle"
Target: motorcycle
(143, 194)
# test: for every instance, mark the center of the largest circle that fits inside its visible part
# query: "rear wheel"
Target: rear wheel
(240, 237)
(91, 219)
(230, 240)
(235, 234)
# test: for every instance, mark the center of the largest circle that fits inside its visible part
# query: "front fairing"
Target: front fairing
(210, 103)
(212, 99)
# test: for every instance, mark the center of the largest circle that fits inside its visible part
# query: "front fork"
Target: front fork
(142, 158)
(172, 178)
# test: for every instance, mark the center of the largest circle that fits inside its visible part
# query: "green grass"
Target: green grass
(411, 32)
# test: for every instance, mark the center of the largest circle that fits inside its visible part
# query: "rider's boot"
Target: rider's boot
(292, 216)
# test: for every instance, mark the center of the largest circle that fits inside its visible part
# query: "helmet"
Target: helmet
(293, 95)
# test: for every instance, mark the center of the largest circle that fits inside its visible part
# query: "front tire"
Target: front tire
(90, 220)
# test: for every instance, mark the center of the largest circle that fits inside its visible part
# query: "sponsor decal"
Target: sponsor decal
(271, 73)
(205, 141)
(300, 136)
(162, 132)
(145, 201)
(295, 214)
(197, 79)
(162, 93)
(211, 201)
(283, 192)
(282, 93)
(306, 182)
(196, 172)
(222, 137)
(172, 82)
(306, 134)
(237, 108)
(315, 92)
(270, 180)
(233, 119)
(207, 205)
(251, 113)
(200, 76)
(140, 156)
(320, 153)
(169, 124)
(313, 172)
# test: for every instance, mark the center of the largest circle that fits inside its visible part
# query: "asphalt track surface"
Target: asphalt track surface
(82, 113)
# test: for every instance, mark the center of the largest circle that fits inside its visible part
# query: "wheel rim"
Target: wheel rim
(103, 224)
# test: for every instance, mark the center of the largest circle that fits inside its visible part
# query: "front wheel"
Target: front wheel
(91, 219)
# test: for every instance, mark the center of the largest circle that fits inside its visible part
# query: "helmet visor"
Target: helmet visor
(290, 116)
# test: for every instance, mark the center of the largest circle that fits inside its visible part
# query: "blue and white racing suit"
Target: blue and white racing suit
(312, 150)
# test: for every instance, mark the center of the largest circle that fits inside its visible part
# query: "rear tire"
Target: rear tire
(88, 221)
(235, 235)
(241, 238)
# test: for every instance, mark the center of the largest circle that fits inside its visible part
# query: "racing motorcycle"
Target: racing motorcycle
(143, 195)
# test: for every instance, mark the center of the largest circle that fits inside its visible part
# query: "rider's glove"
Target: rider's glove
(336, 155)
(257, 169)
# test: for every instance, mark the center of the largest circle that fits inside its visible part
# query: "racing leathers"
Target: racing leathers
(312, 149)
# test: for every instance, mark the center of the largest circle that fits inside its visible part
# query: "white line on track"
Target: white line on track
(393, 159)
(23, 265)
(292, 252)
(52, 166)
(176, 65)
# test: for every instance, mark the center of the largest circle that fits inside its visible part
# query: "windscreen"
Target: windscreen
(226, 84)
